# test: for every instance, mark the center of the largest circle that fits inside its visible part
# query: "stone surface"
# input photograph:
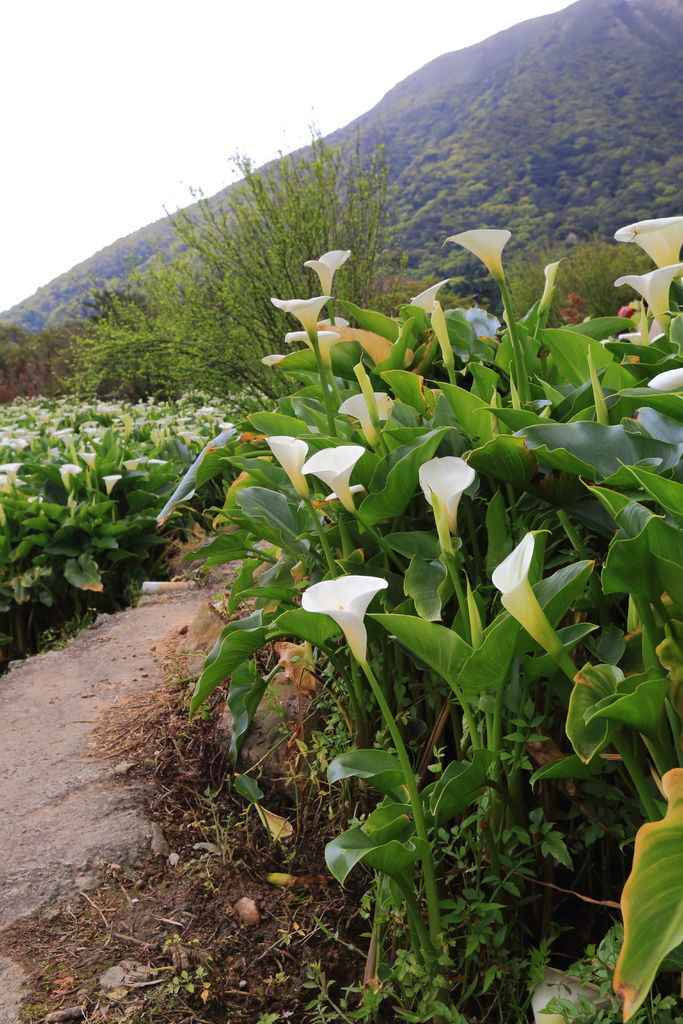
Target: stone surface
(205, 628)
(65, 816)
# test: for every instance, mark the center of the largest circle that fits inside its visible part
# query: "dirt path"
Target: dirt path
(64, 816)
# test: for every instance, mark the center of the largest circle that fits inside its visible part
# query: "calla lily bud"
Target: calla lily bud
(291, 453)
(111, 481)
(654, 287)
(370, 399)
(334, 467)
(425, 300)
(327, 266)
(661, 238)
(487, 245)
(511, 577)
(669, 380)
(346, 601)
(357, 407)
(441, 331)
(547, 297)
(447, 479)
(306, 311)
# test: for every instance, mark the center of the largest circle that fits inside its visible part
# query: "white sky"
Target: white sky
(110, 111)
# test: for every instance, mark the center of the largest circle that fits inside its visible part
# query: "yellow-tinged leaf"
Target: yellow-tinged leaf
(296, 660)
(278, 827)
(377, 347)
(652, 900)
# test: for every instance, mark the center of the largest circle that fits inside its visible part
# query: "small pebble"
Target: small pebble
(248, 912)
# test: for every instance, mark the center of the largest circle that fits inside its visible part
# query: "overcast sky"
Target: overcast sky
(111, 111)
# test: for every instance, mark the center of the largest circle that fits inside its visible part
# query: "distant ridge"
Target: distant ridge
(570, 122)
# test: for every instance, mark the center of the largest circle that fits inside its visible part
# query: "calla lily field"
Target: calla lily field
(490, 602)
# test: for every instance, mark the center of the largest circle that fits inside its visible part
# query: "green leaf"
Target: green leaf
(499, 538)
(187, 485)
(441, 649)
(248, 788)
(396, 478)
(668, 493)
(601, 327)
(473, 414)
(642, 709)
(553, 845)
(381, 769)
(405, 341)
(570, 354)
(393, 858)
(83, 573)
(274, 423)
(423, 543)
(408, 388)
(597, 452)
(422, 582)
(645, 558)
(459, 786)
(369, 320)
(238, 641)
(591, 684)
(652, 900)
(571, 767)
(506, 459)
(312, 626)
(246, 691)
(273, 509)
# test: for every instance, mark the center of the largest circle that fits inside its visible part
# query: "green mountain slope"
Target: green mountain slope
(566, 123)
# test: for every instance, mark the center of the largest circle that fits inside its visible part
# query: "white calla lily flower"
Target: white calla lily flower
(425, 300)
(327, 266)
(111, 481)
(131, 464)
(273, 359)
(339, 321)
(88, 458)
(357, 407)
(353, 489)
(661, 238)
(654, 287)
(68, 470)
(487, 245)
(291, 453)
(326, 339)
(550, 273)
(346, 600)
(669, 380)
(306, 311)
(511, 577)
(10, 470)
(334, 467)
(447, 478)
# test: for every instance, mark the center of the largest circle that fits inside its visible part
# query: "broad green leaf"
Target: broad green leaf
(570, 353)
(645, 558)
(441, 649)
(378, 767)
(273, 508)
(506, 459)
(397, 358)
(601, 327)
(297, 622)
(459, 786)
(83, 573)
(248, 788)
(246, 690)
(423, 543)
(369, 320)
(238, 641)
(652, 900)
(597, 452)
(187, 485)
(642, 709)
(473, 414)
(571, 767)
(394, 858)
(591, 684)
(499, 538)
(226, 547)
(408, 388)
(423, 581)
(392, 490)
(668, 493)
(274, 423)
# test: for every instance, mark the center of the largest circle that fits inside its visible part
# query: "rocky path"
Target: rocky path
(65, 816)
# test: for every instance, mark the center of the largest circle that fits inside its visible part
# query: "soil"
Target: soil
(134, 879)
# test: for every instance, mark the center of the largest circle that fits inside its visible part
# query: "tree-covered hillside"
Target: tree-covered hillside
(569, 123)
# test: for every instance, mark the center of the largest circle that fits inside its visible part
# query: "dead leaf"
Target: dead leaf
(377, 347)
(278, 827)
(297, 663)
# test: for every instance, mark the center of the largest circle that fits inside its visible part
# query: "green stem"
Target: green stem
(329, 558)
(521, 379)
(428, 871)
(633, 769)
(581, 549)
(327, 396)
(450, 560)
